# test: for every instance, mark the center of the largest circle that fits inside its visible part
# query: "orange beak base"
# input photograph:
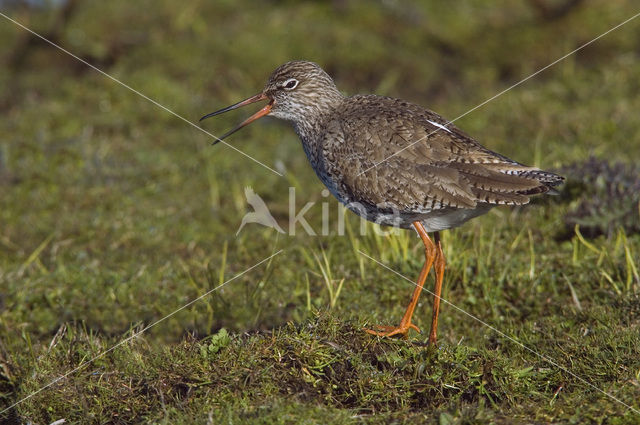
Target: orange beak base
(261, 113)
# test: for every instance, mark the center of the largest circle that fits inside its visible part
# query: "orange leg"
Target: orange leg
(431, 255)
(439, 269)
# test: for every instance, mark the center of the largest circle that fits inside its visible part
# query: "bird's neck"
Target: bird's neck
(309, 138)
(311, 132)
(309, 124)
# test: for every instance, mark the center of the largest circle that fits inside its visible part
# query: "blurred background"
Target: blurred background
(114, 212)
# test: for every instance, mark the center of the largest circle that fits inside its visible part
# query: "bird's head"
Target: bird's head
(296, 91)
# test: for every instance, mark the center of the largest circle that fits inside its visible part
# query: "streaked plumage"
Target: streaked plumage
(426, 172)
(394, 162)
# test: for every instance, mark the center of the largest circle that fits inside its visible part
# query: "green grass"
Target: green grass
(114, 214)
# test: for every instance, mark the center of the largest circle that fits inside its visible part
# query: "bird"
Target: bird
(394, 163)
(260, 213)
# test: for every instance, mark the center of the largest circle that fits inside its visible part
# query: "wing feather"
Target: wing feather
(400, 154)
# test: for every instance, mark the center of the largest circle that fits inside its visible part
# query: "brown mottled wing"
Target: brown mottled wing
(397, 154)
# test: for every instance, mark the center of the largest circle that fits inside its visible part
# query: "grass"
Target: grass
(114, 214)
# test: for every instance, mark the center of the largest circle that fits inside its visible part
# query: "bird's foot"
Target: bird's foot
(401, 329)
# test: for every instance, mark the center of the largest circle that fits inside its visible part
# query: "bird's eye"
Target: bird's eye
(290, 84)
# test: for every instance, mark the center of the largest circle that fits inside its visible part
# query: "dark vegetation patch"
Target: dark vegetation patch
(604, 196)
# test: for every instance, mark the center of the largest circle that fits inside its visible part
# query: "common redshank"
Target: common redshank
(394, 163)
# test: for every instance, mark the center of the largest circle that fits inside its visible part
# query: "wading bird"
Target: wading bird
(394, 163)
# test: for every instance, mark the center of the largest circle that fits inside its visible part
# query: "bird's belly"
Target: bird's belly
(433, 221)
(449, 218)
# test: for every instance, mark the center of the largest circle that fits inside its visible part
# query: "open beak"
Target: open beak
(261, 113)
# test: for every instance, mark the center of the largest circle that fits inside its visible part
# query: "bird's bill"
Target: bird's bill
(261, 113)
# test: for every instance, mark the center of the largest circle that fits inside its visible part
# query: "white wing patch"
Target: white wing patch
(440, 126)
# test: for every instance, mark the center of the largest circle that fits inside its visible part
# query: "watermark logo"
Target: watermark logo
(260, 213)
(387, 223)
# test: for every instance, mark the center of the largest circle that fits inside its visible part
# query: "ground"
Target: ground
(114, 214)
